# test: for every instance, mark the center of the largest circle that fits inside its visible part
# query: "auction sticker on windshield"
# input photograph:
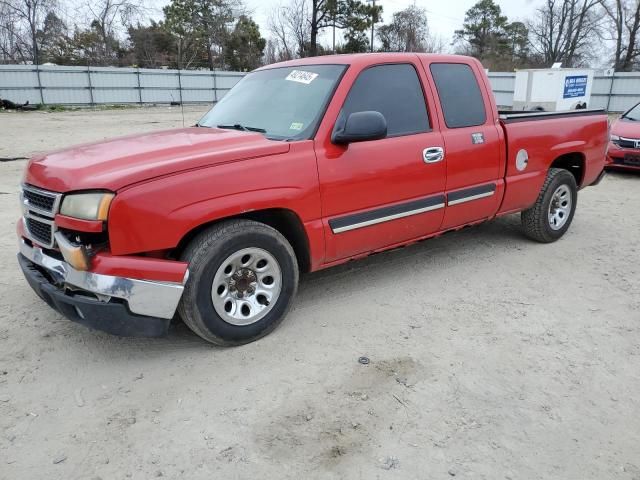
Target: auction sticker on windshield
(301, 76)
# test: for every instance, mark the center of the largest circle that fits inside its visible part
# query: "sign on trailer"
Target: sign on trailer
(575, 86)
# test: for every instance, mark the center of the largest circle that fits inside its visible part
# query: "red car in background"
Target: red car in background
(624, 144)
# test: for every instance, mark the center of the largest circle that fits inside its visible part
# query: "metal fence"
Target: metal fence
(617, 93)
(107, 85)
(59, 85)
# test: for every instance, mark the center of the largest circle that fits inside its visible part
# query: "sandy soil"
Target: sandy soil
(491, 357)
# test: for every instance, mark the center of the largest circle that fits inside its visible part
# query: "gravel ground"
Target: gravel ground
(491, 357)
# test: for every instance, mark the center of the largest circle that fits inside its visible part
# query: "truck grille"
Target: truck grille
(39, 231)
(39, 200)
(39, 208)
(43, 200)
(628, 142)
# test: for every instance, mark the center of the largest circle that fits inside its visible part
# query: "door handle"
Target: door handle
(433, 154)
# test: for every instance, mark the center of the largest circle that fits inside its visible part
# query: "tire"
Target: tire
(559, 194)
(218, 255)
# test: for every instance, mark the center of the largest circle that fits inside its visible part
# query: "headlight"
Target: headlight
(87, 206)
(614, 138)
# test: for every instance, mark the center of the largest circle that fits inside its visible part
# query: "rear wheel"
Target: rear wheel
(243, 276)
(551, 216)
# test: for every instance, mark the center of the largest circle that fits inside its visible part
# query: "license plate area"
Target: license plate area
(631, 159)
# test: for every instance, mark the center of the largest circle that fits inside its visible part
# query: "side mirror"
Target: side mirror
(359, 127)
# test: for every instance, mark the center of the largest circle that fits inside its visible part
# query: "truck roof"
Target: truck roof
(362, 59)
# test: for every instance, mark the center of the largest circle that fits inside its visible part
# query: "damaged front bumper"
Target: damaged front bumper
(117, 305)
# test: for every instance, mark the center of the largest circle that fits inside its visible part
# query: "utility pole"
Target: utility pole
(334, 38)
(373, 20)
(334, 30)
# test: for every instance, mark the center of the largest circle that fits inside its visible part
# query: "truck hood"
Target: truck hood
(114, 164)
(626, 128)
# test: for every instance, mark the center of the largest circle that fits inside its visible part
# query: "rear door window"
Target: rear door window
(395, 91)
(460, 95)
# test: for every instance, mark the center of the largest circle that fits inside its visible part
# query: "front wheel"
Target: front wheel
(550, 217)
(243, 276)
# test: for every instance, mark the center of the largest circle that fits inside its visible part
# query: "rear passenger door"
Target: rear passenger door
(473, 143)
(379, 193)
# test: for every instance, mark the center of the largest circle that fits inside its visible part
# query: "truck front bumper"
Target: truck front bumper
(117, 305)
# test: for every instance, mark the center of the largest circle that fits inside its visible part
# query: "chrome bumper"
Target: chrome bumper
(144, 297)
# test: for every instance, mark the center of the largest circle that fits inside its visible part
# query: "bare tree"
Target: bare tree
(623, 22)
(12, 47)
(564, 30)
(409, 32)
(107, 17)
(290, 26)
(30, 14)
(272, 52)
(281, 41)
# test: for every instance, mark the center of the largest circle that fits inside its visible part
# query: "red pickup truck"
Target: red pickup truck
(301, 166)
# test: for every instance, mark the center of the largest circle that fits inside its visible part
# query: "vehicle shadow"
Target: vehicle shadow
(478, 241)
(434, 253)
(621, 173)
(496, 233)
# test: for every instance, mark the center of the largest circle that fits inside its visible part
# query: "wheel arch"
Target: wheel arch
(285, 221)
(574, 162)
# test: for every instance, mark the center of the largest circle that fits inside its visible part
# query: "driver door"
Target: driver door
(383, 192)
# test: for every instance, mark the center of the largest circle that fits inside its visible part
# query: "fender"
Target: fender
(157, 215)
(545, 142)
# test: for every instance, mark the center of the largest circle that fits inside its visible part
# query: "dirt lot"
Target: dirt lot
(491, 357)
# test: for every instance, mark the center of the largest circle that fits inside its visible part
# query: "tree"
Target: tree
(319, 18)
(274, 52)
(90, 47)
(181, 25)
(409, 32)
(517, 39)
(12, 47)
(302, 21)
(623, 22)
(355, 19)
(279, 46)
(244, 46)
(201, 21)
(30, 13)
(55, 43)
(151, 46)
(290, 26)
(484, 31)
(565, 31)
(106, 17)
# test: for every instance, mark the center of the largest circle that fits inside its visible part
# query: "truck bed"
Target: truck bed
(575, 140)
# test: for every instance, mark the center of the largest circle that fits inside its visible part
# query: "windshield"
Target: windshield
(633, 114)
(283, 103)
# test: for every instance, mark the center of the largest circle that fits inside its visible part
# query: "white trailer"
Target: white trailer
(552, 89)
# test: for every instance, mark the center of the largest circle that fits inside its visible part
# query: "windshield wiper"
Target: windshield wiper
(244, 128)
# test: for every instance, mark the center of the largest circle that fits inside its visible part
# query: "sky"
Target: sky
(444, 16)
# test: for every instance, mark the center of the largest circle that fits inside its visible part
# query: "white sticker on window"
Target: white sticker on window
(301, 76)
(296, 126)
